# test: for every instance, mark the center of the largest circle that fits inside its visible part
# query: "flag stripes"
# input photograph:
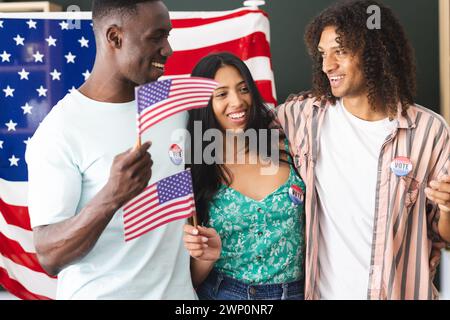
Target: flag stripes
(182, 19)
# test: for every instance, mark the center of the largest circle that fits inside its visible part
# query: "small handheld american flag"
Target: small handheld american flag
(159, 100)
(167, 200)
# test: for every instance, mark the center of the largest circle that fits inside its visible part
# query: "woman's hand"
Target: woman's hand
(202, 243)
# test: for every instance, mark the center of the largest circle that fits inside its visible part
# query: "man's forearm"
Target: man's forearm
(63, 243)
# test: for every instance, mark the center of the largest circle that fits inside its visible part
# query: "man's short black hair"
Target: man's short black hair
(103, 8)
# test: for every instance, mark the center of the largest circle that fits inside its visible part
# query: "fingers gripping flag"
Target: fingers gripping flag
(167, 200)
(159, 100)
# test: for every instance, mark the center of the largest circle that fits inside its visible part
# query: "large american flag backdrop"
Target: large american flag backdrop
(42, 58)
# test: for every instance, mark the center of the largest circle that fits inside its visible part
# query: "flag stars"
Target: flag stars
(51, 42)
(71, 90)
(9, 92)
(1, 24)
(5, 56)
(64, 25)
(1, 144)
(86, 75)
(31, 24)
(19, 40)
(26, 108)
(70, 58)
(84, 42)
(42, 91)
(23, 74)
(38, 57)
(55, 75)
(11, 125)
(13, 161)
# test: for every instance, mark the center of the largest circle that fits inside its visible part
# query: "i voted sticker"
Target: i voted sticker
(176, 154)
(296, 194)
(401, 166)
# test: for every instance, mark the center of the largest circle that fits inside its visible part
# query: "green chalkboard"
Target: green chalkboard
(288, 19)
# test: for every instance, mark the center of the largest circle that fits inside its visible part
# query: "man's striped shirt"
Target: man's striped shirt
(406, 222)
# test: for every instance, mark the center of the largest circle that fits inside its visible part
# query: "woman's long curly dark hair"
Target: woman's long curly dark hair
(386, 55)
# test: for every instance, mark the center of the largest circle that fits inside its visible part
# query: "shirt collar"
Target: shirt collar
(407, 121)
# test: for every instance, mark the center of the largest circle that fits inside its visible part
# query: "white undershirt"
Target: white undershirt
(346, 174)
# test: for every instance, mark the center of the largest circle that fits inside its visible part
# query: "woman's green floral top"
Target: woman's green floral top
(262, 241)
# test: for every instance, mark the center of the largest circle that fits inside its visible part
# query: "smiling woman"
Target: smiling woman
(250, 244)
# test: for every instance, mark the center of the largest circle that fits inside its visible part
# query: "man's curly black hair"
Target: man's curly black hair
(386, 55)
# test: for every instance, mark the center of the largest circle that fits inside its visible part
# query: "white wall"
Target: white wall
(445, 275)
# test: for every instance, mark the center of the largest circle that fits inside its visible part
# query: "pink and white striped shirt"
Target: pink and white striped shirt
(406, 222)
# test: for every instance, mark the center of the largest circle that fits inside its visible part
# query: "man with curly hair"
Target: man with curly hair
(80, 175)
(375, 164)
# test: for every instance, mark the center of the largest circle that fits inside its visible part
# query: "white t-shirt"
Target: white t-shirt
(346, 175)
(69, 160)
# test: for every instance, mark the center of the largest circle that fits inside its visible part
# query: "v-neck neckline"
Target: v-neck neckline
(268, 195)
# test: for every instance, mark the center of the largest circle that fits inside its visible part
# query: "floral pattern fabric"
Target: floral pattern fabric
(262, 241)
